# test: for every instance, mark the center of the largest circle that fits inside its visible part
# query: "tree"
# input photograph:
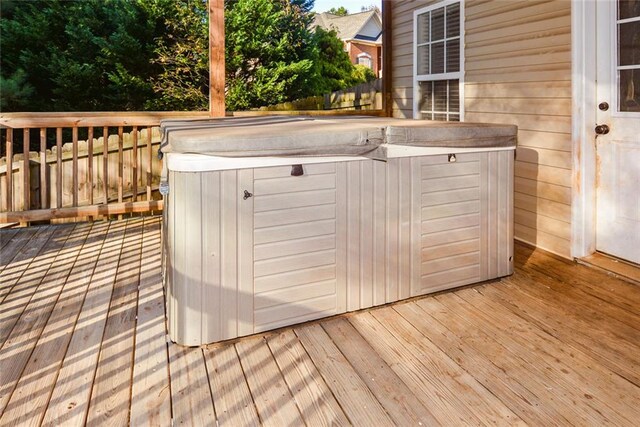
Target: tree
(182, 54)
(94, 55)
(333, 66)
(73, 56)
(341, 11)
(268, 52)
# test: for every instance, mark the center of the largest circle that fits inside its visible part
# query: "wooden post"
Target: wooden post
(216, 58)
(387, 87)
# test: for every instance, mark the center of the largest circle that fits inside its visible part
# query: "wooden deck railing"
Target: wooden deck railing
(112, 169)
(72, 170)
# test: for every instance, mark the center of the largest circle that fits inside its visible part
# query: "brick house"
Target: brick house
(361, 34)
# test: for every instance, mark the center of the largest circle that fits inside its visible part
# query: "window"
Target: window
(364, 59)
(437, 55)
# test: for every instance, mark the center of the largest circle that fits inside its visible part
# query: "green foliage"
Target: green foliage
(362, 74)
(182, 55)
(334, 69)
(15, 91)
(73, 56)
(94, 55)
(341, 11)
(268, 52)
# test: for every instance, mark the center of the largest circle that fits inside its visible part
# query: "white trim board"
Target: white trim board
(583, 195)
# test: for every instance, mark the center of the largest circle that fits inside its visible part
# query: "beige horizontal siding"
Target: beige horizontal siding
(517, 70)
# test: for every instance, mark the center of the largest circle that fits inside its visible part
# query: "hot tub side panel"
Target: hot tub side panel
(463, 214)
(205, 298)
(341, 237)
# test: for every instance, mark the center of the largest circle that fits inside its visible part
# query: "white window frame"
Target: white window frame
(366, 56)
(459, 75)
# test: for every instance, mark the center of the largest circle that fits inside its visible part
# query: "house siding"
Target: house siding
(358, 48)
(518, 71)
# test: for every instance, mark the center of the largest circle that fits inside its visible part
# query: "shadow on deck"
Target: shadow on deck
(83, 340)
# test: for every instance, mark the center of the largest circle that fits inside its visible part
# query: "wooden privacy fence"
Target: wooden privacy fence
(80, 177)
(363, 97)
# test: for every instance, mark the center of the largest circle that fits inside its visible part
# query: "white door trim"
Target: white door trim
(583, 90)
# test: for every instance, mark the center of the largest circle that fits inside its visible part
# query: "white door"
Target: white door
(618, 130)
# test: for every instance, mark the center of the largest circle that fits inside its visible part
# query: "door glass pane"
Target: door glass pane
(630, 90)
(629, 43)
(628, 9)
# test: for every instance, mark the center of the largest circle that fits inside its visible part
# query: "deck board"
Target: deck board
(231, 396)
(111, 393)
(151, 392)
(83, 340)
(24, 336)
(20, 292)
(39, 375)
(22, 259)
(69, 402)
(317, 404)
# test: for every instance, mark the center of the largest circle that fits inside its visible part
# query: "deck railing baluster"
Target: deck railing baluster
(90, 163)
(134, 163)
(59, 167)
(9, 179)
(43, 169)
(150, 163)
(120, 163)
(105, 164)
(75, 165)
(26, 171)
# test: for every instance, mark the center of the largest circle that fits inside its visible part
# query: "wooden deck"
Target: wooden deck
(83, 340)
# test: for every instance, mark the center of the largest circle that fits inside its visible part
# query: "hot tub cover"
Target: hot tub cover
(323, 136)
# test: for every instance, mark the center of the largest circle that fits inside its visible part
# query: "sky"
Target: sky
(353, 6)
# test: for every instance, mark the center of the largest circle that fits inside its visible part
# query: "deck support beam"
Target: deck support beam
(216, 58)
(387, 98)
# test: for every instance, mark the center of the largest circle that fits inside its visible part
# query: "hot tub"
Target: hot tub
(275, 221)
